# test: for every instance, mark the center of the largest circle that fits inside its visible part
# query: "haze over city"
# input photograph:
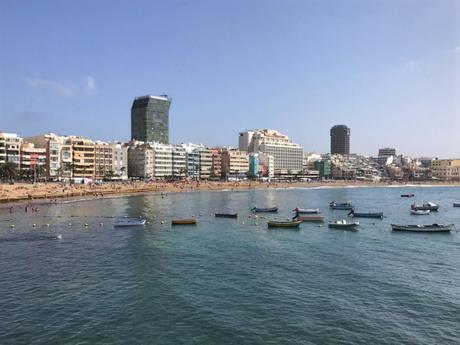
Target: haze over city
(388, 70)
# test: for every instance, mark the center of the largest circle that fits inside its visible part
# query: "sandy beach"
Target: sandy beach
(53, 192)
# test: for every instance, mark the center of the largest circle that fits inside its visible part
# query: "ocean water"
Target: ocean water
(228, 281)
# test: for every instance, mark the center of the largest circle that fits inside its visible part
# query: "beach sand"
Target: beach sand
(54, 191)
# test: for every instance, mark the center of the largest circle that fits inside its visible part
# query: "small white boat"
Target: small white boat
(306, 210)
(420, 212)
(127, 222)
(343, 224)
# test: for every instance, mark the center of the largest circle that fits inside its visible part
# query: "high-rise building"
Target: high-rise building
(288, 156)
(340, 140)
(384, 154)
(150, 119)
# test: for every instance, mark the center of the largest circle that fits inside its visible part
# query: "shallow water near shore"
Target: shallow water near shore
(227, 281)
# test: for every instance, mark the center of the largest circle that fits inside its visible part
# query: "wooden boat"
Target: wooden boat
(343, 224)
(365, 214)
(309, 218)
(420, 212)
(423, 228)
(411, 195)
(306, 210)
(347, 206)
(456, 204)
(128, 222)
(426, 206)
(191, 221)
(267, 209)
(226, 215)
(283, 224)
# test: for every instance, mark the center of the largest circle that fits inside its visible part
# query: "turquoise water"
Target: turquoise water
(229, 281)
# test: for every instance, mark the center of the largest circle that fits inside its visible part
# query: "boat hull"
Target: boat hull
(266, 210)
(184, 222)
(423, 228)
(306, 211)
(350, 226)
(367, 215)
(126, 224)
(290, 224)
(226, 215)
(456, 204)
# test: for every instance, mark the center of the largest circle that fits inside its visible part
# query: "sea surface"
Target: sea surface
(227, 281)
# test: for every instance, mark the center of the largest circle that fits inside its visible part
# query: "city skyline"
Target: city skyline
(300, 69)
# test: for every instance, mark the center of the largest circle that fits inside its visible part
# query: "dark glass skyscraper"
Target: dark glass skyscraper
(150, 118)
(340, 140)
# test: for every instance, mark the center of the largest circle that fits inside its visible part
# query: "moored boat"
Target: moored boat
(423, 228)
(306, 210)
(314, 218)
(456, 204)
(226, 215)
(191, 221)
(365, 214)
(128, 222)
(283, 224)
(343, 224)
(266, 209)
(420, 212)
(411, 195)
(347, 206)
(426, 206)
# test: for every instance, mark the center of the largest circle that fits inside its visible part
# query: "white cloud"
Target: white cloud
(59, 88)
(90, 85)
(67, 90)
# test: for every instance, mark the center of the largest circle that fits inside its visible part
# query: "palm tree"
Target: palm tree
(8, 171)
(69, 166)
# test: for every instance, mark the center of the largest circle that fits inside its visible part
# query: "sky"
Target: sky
(390, 70)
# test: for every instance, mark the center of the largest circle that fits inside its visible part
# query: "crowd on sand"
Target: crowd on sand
(51, 192)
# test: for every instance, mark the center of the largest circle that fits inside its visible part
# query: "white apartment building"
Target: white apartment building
(288, 156)
(162, 160)
(10, 147)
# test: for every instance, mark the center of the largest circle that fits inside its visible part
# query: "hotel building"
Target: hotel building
(288, 156)
(150, 119)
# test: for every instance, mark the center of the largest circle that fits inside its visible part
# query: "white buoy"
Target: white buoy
(86, 224)
(34, 225)
(59, 237)
(47, 225)
(162, 222)
(12, 226)
(101, 223)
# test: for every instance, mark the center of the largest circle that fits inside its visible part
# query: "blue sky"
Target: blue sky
(390, 70)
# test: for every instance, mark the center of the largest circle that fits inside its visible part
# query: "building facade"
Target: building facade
(150, 119)
(340, 140)
(235, 164)
(446, 169)
(10, 148)
(288, 156)
(140, 160)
